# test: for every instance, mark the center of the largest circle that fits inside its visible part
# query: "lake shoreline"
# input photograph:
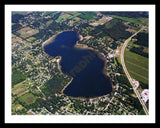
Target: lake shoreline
(78, 46)
(102, 56)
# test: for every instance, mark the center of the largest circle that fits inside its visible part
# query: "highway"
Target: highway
(127, 73)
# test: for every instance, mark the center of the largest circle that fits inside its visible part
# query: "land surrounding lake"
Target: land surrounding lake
(84, 65)
(69, 62)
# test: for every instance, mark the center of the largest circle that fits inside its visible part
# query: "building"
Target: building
(136, 83)
(145, 95)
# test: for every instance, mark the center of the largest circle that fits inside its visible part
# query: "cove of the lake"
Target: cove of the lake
(84, 65)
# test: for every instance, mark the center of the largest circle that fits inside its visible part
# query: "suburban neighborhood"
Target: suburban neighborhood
(34, 72)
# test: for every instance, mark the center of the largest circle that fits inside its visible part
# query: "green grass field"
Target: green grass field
(87, 15)
(28, 98)
(137, 66)
(59, 19)
(65, 16)
(142, 21)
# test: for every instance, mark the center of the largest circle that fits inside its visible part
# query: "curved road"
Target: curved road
(127, 73)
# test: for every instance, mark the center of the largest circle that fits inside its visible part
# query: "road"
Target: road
(127, 73)
(41, 92)
(109, 103)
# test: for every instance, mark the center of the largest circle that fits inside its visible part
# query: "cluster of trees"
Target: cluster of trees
(81, 107)
(47, 32)
(54, 26)
(142, 39)
(102, 103)
(54, 85)
(114, 28)
(19, 112)
(16, 18)
(143, 85)
(127, 14)
(16, 27)
(52, 104)
(40, 21)
(114, 45)
(123, 80)
(118, 30)
(128, 91)
(18, 100)
(36, 24)
(99, 31)
(139, 50)
(134, 102)
(55, 103)
(17, 77)
(119, 67)
(43, 34)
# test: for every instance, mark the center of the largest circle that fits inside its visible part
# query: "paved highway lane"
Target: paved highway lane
(127, 73)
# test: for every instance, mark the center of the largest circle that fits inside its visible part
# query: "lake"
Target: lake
(84, 65)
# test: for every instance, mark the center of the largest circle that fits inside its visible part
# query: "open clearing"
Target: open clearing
(137, 66)
(28, 98)
(16, 39)
(19, 89)
(101, 21)
(27, 32)
(16, 107)
(139, 20)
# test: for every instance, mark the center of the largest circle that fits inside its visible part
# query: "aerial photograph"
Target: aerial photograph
(80, 63)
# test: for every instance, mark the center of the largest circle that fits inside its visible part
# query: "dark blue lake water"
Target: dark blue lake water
(84, 65)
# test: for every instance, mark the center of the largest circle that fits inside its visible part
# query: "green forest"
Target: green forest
(18, 77)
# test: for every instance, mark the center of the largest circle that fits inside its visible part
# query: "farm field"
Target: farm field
(87, 15)
(27, 32)
(137, 66)
(142, 21)
(19, 89)
(21, 97)
(27, 98)
(38, 83)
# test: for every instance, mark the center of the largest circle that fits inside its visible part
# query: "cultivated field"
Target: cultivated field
(28, 98)
(19, 89)
(137, 66)
(27, 32)
(140, 20)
